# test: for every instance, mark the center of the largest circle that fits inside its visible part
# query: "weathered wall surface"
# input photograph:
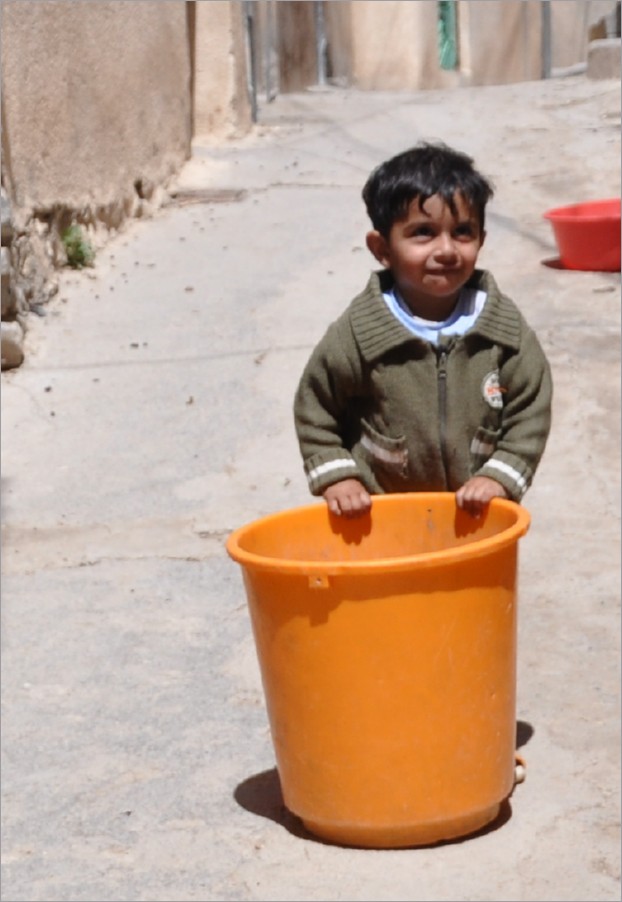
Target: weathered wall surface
(394, 46)
(574, 25)
(96, 98)
(96, 116)
(99, 103)
(222, 107)
(339, 36)
(297, 57)
(500, 43)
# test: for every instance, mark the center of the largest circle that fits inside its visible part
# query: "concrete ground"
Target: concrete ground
(153, 415)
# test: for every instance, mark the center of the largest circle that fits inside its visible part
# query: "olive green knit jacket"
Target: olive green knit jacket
(379, 404)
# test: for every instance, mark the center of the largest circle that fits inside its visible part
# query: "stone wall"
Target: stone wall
(12, 332)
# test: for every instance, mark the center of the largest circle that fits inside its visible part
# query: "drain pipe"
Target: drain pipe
(320, 41)
(251, 58)
(545, 31)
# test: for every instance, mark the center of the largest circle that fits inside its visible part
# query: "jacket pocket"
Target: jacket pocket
(382, 452)
(483, 446)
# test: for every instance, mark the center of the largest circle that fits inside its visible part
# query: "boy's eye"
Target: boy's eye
(465, 230)
(422, 231)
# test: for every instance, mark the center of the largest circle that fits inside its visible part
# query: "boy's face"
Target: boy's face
(431, 253)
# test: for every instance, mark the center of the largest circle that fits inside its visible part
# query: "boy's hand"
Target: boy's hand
(348, 498)
(475, 494)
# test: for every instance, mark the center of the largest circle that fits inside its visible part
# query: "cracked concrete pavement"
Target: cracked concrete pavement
(153, 415)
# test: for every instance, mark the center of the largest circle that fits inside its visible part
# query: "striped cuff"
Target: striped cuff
(321, 472)
(515, 481)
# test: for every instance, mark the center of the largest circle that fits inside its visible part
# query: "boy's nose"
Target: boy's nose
(445, 246)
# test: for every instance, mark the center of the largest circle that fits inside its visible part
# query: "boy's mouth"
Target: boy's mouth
(446, 271)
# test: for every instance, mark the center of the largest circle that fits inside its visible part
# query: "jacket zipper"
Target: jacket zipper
(442, 403)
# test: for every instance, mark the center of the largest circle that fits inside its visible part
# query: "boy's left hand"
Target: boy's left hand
(477, 492)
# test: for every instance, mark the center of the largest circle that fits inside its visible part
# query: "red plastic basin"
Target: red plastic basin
(588, 234)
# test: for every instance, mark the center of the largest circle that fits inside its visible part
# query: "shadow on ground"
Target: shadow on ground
(261, 794)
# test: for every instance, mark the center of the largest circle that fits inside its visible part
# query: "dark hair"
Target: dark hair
(420, 172)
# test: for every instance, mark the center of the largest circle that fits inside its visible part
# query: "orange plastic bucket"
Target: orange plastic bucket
(387, 651)
(588, 235)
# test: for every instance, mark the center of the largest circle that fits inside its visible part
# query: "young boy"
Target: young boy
(431, 380)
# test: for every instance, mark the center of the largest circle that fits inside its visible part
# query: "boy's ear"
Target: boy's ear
(377, 245)
(482, 238)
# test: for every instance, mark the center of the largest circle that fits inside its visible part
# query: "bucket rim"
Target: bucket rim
(610, 211)
(468, 551)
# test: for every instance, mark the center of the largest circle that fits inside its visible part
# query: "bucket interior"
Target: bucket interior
(398, 526)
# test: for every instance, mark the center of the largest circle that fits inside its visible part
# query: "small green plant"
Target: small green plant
(77, 247)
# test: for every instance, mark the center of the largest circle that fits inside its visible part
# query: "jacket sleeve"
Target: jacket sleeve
(527, 385)
(329, 385)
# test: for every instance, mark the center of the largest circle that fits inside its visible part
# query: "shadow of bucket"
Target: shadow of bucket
(387, 651)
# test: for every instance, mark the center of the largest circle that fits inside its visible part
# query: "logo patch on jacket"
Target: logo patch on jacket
(492, 390)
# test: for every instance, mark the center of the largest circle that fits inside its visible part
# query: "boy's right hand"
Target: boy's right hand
(348, 498)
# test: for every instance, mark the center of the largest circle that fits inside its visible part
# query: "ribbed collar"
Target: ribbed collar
(377, 330)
